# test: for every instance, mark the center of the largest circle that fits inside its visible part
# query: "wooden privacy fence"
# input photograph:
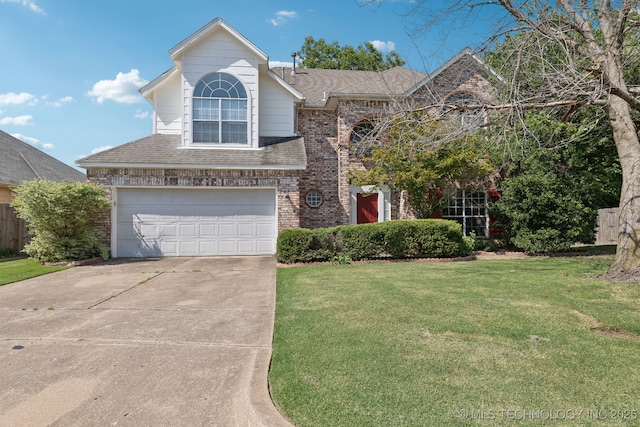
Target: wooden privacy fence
(607, 233)
(13, 230)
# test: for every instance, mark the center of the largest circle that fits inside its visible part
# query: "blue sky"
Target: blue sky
(71, 68)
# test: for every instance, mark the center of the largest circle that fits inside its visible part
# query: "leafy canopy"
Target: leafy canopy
(416, 156)
(320, 54)
(61, 217)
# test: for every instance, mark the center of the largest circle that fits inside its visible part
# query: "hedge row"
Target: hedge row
(427, 238)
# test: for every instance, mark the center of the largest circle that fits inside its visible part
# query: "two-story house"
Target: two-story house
(239, 151)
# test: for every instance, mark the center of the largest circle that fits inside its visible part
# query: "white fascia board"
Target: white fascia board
(158, 81)
(285, 85)
(178, 49)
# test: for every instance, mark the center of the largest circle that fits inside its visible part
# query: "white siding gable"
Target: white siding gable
(276, 109)
(219, 48)
(167, 107)
(220, 52)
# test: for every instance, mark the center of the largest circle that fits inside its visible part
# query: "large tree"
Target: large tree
(418, 154)
(589, 53)
(320, 54)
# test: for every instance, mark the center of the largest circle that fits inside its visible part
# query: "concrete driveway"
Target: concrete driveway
(155, 342)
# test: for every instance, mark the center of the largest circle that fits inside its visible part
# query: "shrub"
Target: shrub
(364, 241)
(60, 217)
(425, 239)
(539, 214)
(429, 238)
(303, 245)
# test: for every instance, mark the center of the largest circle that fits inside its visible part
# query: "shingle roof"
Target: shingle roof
(318, 85)
(20, 162)
(165, 151)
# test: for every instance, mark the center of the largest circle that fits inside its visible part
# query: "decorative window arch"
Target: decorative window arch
(220, 110)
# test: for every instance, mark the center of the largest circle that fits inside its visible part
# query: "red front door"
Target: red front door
(367, 208)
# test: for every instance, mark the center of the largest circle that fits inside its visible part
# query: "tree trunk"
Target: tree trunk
(627, 261)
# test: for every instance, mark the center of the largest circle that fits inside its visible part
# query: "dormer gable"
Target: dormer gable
(212, 95)
(217, 25)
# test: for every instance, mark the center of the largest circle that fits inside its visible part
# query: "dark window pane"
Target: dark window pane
(234, 133)
(205, 132)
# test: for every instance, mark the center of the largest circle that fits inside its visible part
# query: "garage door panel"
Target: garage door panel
(166, 246)
(188, 230)
(170, 222)
(147, 230)
(227, 247)
(188, 247)
(264, 245)
(208, 230)
(246, 246)
(227, 230)
(264, 230)
(246, 230)
(207, 247)
(165, 230)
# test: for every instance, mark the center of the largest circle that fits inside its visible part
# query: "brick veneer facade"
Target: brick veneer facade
(286, 183)
(327, 134)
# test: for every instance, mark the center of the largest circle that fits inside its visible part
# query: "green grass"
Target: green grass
(415, 344)
(14, 270)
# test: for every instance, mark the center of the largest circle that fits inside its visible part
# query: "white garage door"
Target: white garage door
(184, 222)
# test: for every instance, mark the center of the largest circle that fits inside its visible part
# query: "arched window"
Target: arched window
(360, 140)
(469, 118)
(220, 110)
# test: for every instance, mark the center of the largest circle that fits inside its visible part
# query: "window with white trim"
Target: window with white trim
(220, 110)
(469, 208)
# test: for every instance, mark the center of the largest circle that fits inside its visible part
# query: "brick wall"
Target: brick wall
(327, 134)
(466, 76)
(324, 155)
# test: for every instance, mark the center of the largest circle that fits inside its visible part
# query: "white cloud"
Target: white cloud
(12, 98)
(60, 102)
(33, 141)
(103, 148)
(383, 46)
(141, 114)
(16, 121)
(124, 89)
(282, 17)
(27, 3)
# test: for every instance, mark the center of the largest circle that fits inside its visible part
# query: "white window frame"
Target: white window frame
(465, 207)
(237, 89)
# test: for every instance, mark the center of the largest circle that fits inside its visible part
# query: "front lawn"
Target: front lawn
(535, 341)
(14, 270)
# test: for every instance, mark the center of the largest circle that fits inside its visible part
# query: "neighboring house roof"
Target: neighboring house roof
(319, 85)
(20, 162)
(163, 151)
